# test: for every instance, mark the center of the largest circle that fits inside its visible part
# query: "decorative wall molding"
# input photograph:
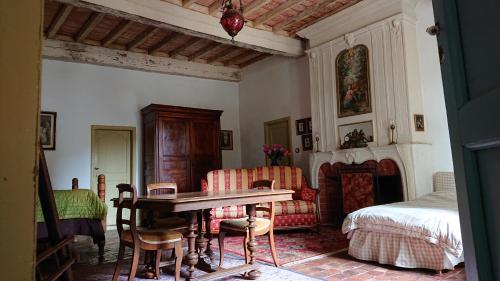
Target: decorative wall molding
(349, 39)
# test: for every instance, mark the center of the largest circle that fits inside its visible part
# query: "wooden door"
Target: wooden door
(470, 68)
(173, 153)
(112, 157)
(278, 132)
(205, 151)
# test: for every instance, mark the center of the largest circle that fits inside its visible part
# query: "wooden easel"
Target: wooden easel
(58, 248)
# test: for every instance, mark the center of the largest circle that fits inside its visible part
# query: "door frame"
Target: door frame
(266, 134)
(133, 160)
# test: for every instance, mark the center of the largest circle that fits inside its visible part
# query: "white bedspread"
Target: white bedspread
(432, 217)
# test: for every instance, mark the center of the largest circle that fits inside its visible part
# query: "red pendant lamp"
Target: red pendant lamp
(232, 19)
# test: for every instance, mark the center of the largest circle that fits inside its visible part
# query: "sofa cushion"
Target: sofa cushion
(229, 178)
(293, 207)
(284, 177)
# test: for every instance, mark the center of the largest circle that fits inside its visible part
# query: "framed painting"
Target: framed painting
(419, 122)
(48, 130)
(353, 82)
(226, 140)
(307, 142)
(356, 134)
(300, 126)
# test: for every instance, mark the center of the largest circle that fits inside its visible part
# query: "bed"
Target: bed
(422, 233)
(80, 211)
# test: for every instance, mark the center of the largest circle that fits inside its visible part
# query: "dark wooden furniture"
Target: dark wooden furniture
(58, 248)
(240, 226)
(180, 145)
(194, 202)
(165, 220)
(147, 239)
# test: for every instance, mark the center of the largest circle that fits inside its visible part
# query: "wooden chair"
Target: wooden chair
(240, 226)
(145, 239)
(172, 222)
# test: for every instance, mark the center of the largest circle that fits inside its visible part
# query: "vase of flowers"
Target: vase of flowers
(275, 153)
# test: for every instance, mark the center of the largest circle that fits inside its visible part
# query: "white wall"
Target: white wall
(85, 95)
(271, 89)
(432, 89)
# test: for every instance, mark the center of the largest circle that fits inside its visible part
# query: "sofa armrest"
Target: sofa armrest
(204, 184)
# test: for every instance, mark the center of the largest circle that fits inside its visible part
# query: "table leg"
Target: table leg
(208, 233)
(192, 256)
(252, 243)
(201, 242)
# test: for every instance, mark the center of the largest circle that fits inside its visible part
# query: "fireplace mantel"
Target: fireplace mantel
(410, 159)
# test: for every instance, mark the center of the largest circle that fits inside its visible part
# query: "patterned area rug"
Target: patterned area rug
(292, 246)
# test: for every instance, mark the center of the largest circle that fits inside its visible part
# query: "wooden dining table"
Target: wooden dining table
(198, 204)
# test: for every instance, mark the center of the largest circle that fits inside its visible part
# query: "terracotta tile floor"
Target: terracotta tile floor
(344, 267)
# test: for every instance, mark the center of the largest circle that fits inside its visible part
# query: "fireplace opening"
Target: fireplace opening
(345, 188)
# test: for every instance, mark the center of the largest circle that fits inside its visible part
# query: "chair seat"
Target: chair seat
(153, 236)
(261, 224)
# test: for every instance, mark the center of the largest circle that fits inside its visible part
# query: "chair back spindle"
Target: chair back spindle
(258, 184)
(129, 204)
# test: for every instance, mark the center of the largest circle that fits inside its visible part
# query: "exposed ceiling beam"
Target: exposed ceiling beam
(203, 51)
(244, 56)
(162, 14)
(214, 8)
(164, 42)
(188, 3)
(59, 19)
(179, 49)
(89, 25)
(69, 51)
(116, 32)
(302, 15)
(275, 12)
(254, 6)
(232, 54)
(221, 53)
(253, 60)
(141, 38)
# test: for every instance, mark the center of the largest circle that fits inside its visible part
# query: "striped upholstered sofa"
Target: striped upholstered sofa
(301, 212)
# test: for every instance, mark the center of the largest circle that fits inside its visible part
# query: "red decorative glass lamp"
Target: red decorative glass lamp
(232, 19)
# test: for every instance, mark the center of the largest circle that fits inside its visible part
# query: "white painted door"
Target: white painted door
(470, 52)
(111, 156)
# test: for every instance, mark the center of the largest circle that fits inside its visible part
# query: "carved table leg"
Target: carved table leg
(192, 256)
(204, 263)
(208, 234)
(252, 243)
(201, 242)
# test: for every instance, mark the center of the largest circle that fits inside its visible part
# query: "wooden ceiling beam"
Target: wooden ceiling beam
(214, 8)
(116, 32)
(221, 53)
(141, 38)
(253, 60)
(303, 15)
(188, 43)
(254, 6)
(275, 12)
(59, 19)
(248, 54)
(166, 15)
(83, 53)
(188, 3)
(203, 51)
(164, 42)
(89, 25)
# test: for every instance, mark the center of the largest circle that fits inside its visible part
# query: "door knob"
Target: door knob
(434, 29)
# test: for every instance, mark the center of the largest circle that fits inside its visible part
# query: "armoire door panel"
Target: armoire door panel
(174, 136)
(203, 139)
(175, 169)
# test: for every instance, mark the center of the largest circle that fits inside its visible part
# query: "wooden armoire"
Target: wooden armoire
(179, 144)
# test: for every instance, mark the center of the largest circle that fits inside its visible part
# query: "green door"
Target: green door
(469, 39)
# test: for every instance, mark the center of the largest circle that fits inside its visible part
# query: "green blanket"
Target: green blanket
(76, 204)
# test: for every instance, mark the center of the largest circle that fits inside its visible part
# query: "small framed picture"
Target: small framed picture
(357, 133)
(48, 130)
(226, 140)
(419, 122)
(309, 126)
(300, 125)
(307, 142)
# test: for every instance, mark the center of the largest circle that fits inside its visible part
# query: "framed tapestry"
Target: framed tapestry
(48, 130)
(353, 82)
